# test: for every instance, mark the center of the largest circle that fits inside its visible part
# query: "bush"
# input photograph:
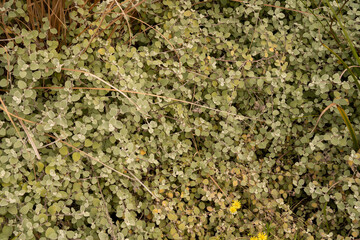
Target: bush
(151, 126)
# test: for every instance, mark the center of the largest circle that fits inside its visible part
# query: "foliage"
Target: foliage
(153, 125)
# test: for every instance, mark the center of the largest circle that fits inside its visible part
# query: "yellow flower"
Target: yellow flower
(233, 209)
(254, 238)
(262, 236)
(236, 204)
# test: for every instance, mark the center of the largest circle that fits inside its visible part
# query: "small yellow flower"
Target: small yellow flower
(262, 236)
(254, 238)
(236, 204)
(233, 209)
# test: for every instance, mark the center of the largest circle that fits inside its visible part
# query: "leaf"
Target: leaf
(101, 51)
(88, 143)
(76, 156)
(40, 166)
(187, 13)
(103, 236)
(50, 233)
(22, 74)
(7, 230)
(21, 84)
(25, 209)
(53, 209)
(172, 217)
(64, 150)
(49, 168)
(3, 82)
(36, 75)
(247, 66)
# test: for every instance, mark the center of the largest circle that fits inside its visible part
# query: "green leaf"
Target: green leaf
(247, 66)
(187, 13)
(7, 230)
(338, 196)
(34, 66)
(196, 211)
(40, 166)
(28, 93)
(182, 226)
(3, 82)
(103, 236)
(88, 143)
(350, 43)
(172, 217)
(50, 233)
(64, 150)
(53, 31)
(22, 74)
(101, 51)
(25, 209)
(76, 156)
(36, 75)
(21, 84)
(53, 209)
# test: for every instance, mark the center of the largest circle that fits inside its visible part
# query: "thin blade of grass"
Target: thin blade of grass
(349, 126)
(346, 66)
(31, 141)
(347, 69)
(346, 120)
(322, 113)
(126, 18)
(353, 50)
(11, 120)
(331, 32)
(17, 131)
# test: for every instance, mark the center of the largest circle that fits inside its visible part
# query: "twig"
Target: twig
(50, 143)
(89, 156)
(217, 185)
(11, 114)
(159, 96)
(126, 19)
(103, 81)
(31, 141)
(105, 165)
(11, 120)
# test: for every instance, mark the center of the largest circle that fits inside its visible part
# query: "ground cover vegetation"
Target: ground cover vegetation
(179, 119)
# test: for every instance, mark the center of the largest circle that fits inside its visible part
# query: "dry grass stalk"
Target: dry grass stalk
(31, 141)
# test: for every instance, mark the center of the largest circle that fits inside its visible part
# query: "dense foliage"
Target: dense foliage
(154, 126)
